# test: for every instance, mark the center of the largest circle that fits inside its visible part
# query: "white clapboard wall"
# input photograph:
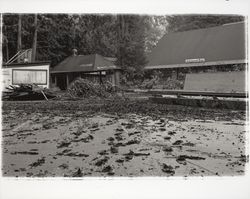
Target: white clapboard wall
(37, 74)
(224, 82)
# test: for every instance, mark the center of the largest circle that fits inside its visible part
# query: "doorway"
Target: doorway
(61, 81)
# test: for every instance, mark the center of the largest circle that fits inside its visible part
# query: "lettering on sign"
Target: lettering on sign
(195, 60)
(105, 67)
(84, 65)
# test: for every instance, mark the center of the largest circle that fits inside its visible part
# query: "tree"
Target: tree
(155, 28)
(10, 29)
(19, 30)
(89, 34)
(131, 45)
(126, 37)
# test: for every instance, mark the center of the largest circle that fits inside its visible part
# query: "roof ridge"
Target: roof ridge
(232, 23)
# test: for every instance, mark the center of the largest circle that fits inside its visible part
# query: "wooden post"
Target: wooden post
(55, 80)
(117, 77)
(113, 78)
(100, 77)
(67, 80)
(177, 73)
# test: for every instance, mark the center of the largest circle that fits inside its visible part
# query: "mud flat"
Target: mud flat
(120, 138)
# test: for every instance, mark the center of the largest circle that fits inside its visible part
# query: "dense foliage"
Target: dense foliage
(126, 37)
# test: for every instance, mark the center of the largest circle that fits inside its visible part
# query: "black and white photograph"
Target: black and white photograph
(124, 95)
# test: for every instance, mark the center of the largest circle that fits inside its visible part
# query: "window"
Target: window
(26, 76)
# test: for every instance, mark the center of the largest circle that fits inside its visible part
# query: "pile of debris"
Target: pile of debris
(27, 92)
(83, 88)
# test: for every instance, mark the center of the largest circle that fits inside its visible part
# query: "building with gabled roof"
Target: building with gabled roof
(94, 66)
(220, 45)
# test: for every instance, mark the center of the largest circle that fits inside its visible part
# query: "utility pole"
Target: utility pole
(33, 58)
(19, 36)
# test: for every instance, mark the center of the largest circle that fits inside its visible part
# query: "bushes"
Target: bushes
(173, 84)
(159, 80)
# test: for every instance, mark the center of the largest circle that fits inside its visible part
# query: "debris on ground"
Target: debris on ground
(167, 149)
(78, 173)
(38, 162)
(127, 140)
(63, 144)
(132, 153)
(184, 157)
(114, 149)
(101, 161)
(27, 92)
(84, 88)
(168, 169)
(108, 169)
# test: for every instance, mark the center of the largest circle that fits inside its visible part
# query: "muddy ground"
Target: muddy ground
(119, 137)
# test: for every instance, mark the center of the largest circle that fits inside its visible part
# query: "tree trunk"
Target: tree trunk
(121, 34)
(19, 36)
(33, 58)
(7, 51)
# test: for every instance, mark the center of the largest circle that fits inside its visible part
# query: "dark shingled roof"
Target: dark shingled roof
(211, 46)
(84, 63)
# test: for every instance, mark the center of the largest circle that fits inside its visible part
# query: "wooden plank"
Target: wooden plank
(188, 93)
(219, 82)
(198, 93)
(44, 95)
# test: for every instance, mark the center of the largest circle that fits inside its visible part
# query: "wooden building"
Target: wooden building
(94, 67)
(220, 48)
(26, 73)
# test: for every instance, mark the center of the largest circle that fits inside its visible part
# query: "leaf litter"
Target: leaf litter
(138, 142)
